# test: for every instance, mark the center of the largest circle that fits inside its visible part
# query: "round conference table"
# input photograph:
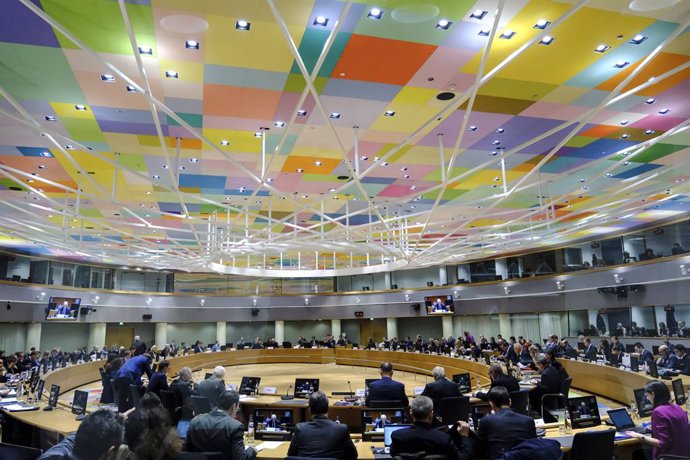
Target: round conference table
(609, 382)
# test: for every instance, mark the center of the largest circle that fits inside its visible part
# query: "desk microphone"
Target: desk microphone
(287, 396)
(350, 398)
(352, 393)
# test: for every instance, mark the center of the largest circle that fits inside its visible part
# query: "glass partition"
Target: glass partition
(673, 320)
(578, 323)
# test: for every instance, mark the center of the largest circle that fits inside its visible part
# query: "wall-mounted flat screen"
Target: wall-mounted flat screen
(63, 308)
(439, 305)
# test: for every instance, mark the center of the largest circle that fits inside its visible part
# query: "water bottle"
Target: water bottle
(687, 401)
(337, 419)
(250, 431)
(479, 386)
(471, 423)
(633, 409)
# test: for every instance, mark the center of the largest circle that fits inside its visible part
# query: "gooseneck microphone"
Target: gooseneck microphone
(352, 393)
(287, 396)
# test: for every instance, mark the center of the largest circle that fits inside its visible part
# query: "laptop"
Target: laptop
(678, 391)
(387, 432)
(182, 428)
(249, 385)
(622, 421)
(584, 412)
(644, 407)
(14, 452)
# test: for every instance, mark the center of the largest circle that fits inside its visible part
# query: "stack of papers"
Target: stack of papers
(268, 445)
(18, 407)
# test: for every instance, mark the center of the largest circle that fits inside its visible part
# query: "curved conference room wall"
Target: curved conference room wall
(524, 306)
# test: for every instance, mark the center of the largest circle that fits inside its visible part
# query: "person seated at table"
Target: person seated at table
(321, 437)
(183, 387)
(421, 438)
(590, 350)
(668, 359)
(371, 345)
(683, 364)
(670, 430)
(198, 347)
(616, 345)
(272, 422)
(550, 382)
(219, 431)
(213, 386)
(64, 309)
(386, 389)
(380, 422)
(499, 379)
(645, 356)
(439, 306)
(440, 388)
(504, 428)
(98, 437)
(159, 379)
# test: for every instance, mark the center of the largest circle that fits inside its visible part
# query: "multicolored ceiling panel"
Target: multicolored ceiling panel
(322, 137)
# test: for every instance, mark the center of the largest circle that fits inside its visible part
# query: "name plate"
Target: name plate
(269, 390)
(233, 349)
(269, 348)
(401, 350)
(418, 390)
(360, 393)
(355, 348)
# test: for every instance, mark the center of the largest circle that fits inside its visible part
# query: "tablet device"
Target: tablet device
(388, 431)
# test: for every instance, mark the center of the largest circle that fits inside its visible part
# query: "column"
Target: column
(459, 327)
(504, 324)
(221, 327)
(502, 268)
(464, 272)
(443, 276)
(96, 335)
(335, 328)
(387, 280)
(161, 335)
(33, 336)
(391, 327)
(280, 331)
(447, 325)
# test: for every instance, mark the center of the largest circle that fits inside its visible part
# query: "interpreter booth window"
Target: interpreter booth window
(578, 323)
(673, 320)
(542, 263)
(643, 321)
(609, 322)
(483, 271)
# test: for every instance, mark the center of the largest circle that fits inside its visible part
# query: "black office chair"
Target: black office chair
(561, 397)
(170, 404)
(107, 396)
(200, 405)
(453, 409)
(377, 404)
(593, 445)
(14, 452)
(520, 401)
(136, 392)
(200, 456)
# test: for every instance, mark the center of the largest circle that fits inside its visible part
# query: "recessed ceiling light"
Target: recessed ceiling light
(305, 196)
(225, 142)
(493, 153)
(165, 166)
(318, 163)
(106, 77)
(156, 176)
(131, 89)
(299, 170)
(171, 74)
(406, 176)
(182, 168)
(651, 100)
(41, 166)
(500, 130)
(507, 34)
(301, 113)
(50, 118)
(625, 122)
(193, 160)
(625, 136)
(364, 158)
(241, 189)
(191, 45)
(148, 192)
(443, 24)
(389, 113)
(269, 180)
(70, 147)
(471, 128)
(335, 115)
(377, 158)
(414, 187)
(626, 163)
(541, 24)
(478, 14)
(80, 107)
(279, 124)
(637, 39)
(242, 24)
(404, 168)
(484, 32)
(331, 189)
(664, 111)
(546, 40)
(375, 13)
(257, 134)
(621, 64)
(46, 154)
(385, 163)
(478, 207)
(320, 21)
(145, 50)
(496, 142)
(602, 48)
(649, 131)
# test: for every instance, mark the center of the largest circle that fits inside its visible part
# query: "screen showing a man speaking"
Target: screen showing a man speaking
(66, 308)
(439, 305)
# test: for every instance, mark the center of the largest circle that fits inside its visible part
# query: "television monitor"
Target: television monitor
(653, 370)
(584, 412)
(629, 348)
(644, 407)
(53, 396)
(463, 381)
(305, 387)
(63, 308)
(81, 399)
(388, 431)
(366, 385)
(614, 359)
(39, 389)
(678, 391)
(439, 305)
(634, 363)
(249, 385)
(274, 419)
(375, 420)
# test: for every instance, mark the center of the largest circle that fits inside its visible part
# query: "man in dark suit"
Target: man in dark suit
(159, 379)
(213, 386)
(218, 431)
(183, 387)
(504, 429)
(421, 437)
(590, 350)
(322, 437)
(683, 364)
(386, 389)
(138, 346)
(440, 388)
(498, 378)
(550, 382)
(64, 309)
(130, 374)
(646, 356)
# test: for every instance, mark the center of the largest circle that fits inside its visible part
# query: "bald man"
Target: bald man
(440, 388)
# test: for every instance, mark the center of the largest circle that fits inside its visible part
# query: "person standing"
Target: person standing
(130, 374)
(138, 346)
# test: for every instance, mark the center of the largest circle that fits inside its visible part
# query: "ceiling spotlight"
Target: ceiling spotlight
(546, 40)
(624, 122)
(320, 21)
(637, 39)
(506, 290)
(484, 32)
(560, 285)
(375, 13)
(155, 177)
(618, 278)
(625, 136)
(279, 124)
(331, 189)
(306, 301)
(193, 160)
(541, 24)
(106, 77)
(602, 48)
(478, 14)
(651, 100)
(443, 24)
(80, 107)
(46, 154)
(683, 270)
(318, 163)
(50, 118)
(41, 166)
(301, 113)
(171, 74)
(472, 128)
(500, 130)
(649, 131)
(149, 301)
(202, 302)
(145, 50)
(507, 34)
(300, 170)
(664, 111)
(257, 134)
(191, 45)
(335, 115)
(241, 24)
(225, 142)
(621, 64)
(389, 113)
(131, 89)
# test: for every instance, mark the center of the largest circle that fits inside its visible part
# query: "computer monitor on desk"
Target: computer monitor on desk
(374, 421)
(634, 363)
(584, 412)
(463, 381)
(388, 431)
(249, 385)
(644, 407)
(305, 387)
(274, 419)
(614, 359)
(678, 391)
(653, 370)
(81, 399)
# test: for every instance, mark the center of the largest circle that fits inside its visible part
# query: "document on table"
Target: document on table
(268, 445)
(18, 407)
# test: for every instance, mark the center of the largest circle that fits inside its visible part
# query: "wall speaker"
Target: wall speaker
(255, 311)
(147, 316)
(416, 306)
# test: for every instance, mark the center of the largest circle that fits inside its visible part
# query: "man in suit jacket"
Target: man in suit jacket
(183, 387)
(550, 382)
(590, 350)
(668, 360)
(646, 356)
(440, 388)
(322, 437)
(683, 359)
(213, 386)
(386, 389)
(498, 378)
(218, 431)
(139, 346)
(504, 429)
(421, 437)
(159, 379)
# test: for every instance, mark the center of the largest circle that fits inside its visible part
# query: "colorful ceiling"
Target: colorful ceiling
(307, 137)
